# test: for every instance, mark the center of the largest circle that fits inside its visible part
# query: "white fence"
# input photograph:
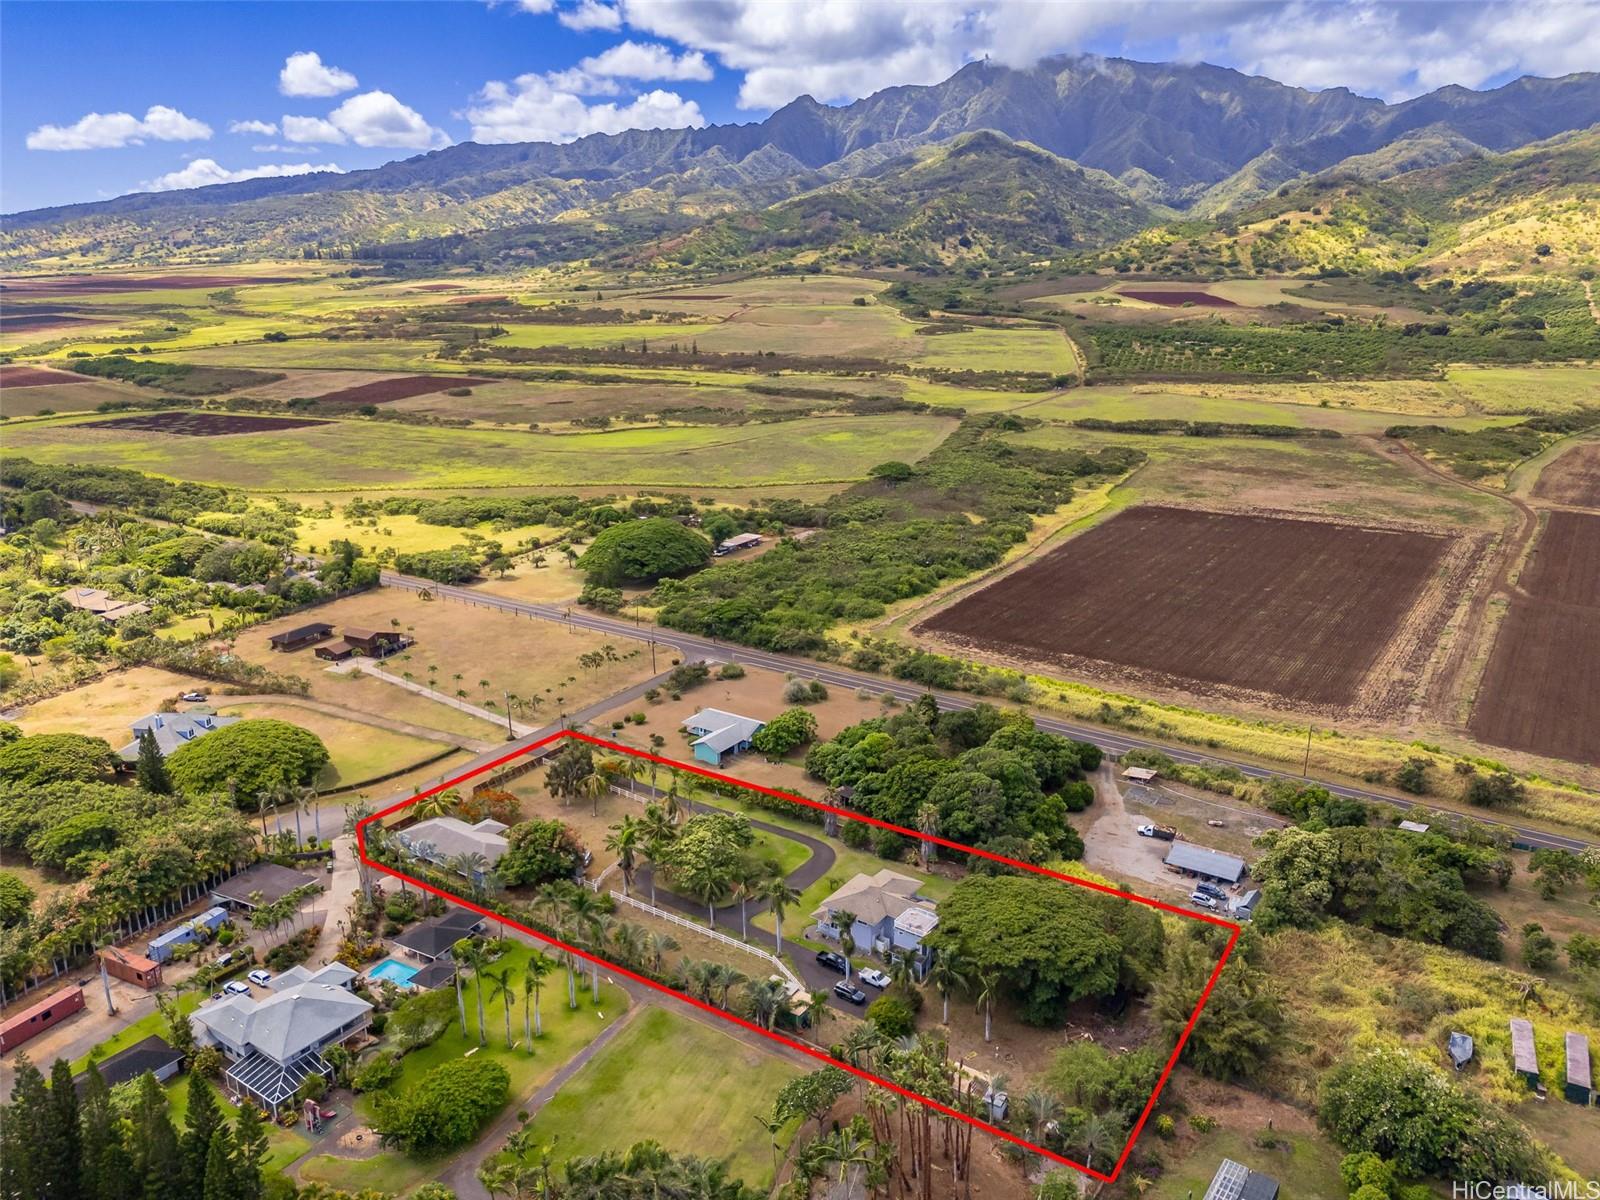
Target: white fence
(778, 964)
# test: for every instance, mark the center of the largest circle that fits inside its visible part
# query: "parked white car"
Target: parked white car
(236, 987)
(260, 976)
(875, 977)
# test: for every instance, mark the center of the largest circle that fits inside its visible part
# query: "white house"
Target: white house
(172, 731)
(889, 915)
(440, 840)
(274, 1045)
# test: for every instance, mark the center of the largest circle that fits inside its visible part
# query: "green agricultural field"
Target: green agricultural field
(1000, 348)
(601, 336)
(347, 455)
(676, 1080)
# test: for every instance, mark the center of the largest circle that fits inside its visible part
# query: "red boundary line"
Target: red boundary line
(802, 1047)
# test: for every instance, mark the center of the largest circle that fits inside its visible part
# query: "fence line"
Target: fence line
(718, 935)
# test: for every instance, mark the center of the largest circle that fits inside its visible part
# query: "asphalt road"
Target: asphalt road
(691, 647)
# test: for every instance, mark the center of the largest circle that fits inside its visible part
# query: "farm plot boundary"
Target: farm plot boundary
(810, 1051)
(1275, 610)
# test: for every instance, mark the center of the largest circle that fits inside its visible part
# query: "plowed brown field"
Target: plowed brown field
(1574, 478)
(385, 390)
(193, 424)
(1565, 566)
(1298, 609)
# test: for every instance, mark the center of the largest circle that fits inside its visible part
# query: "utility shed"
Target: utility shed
(1212, 864)
(1524, 1058)
(1580, 1083)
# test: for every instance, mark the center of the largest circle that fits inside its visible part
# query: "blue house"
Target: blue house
(719, 733)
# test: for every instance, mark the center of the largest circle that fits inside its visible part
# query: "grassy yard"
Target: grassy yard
(677, 1081)
(357, 752)
(404, 534)
(1307, 1168)
(151, 1023)
(108, 706)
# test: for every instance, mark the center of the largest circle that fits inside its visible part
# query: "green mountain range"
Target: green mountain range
(993, 164)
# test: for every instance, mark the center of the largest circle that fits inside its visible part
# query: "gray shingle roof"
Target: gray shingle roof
(285, 1024)
(172, 731)
(1205, 862)
(450, 836)
(722, 731)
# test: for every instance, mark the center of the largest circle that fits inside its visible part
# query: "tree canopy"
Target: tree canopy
(445, 1108)
(539, 852)
(55, 758)
(644, 552)
(254, 756)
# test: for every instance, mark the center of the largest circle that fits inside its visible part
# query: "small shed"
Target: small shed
(1209, 864)
(1414, 827)
(1580, 1082)
(335, 651)
(153, 1055)
(1524, 1056)
(301, 636)
(1140, 774)
(134, 968)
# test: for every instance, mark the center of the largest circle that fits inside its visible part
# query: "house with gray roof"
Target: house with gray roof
(719, 733)
(1208, 864)
(889, 916)
(172, 731)
(274, 1045)
(443, 840)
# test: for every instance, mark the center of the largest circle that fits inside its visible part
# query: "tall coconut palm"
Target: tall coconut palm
(845, 922)
(500, 988)
(779, 896)
(748, 880)
(533, 975)
(439, 804)
(592, 786)
(585, 912)
(949, 973)
(458, 954)
(988, 990)
(928, 827)
(818, 1011)
(624, 841)
(471, 955)
(672, 802)
(311, 799)
(657, 833)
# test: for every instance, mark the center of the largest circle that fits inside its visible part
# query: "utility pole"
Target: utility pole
(1305, 770)
(652, 656)
(510, 734)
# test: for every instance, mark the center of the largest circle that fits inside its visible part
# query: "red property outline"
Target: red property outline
(802, 1047)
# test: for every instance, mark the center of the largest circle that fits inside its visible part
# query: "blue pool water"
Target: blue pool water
(394, 971)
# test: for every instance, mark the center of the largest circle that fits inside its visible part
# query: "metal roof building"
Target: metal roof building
(1213, 864)
(1580, 1082)
(1235, 1181)
(1524, 1055)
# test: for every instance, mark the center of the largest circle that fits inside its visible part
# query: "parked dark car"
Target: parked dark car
(1211, 889)
(834, 962)
(848, 991)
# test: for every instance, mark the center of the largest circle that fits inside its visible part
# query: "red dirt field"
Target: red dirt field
(385, 390)
(83, 285)
(1178, 299)
(1574, 478)
(1207, 601)
(25, 377)
(193, 424)
(1565, 566)
(1541, 692)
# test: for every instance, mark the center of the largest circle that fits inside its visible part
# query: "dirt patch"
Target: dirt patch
(1178, 299)
(25, 377)
(385, 390)
(1541, 692)
(24, 321)
(1244, 604)
(1574, 478)
(193, 424)
(1565, 566)
(86, 285)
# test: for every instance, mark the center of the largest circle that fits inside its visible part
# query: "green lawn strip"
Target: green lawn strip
(1303, 1166)
(676, 1081)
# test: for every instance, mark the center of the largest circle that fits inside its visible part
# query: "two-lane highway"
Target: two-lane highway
(691, 647)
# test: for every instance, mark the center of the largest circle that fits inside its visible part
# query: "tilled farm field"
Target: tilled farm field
(1263, 608)
(384, 390)
(197, 424)
(1541, 691)
(1574, 478)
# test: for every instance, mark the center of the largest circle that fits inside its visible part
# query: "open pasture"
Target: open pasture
(99, 285)
(1573, 478)
(1175, 298)
(200, 424)
(1293, 608)
(27, 377)
(358, 455)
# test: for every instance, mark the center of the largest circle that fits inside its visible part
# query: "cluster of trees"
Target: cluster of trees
(123, 1145)
(883, 544)
(1413, 885)
(645, 1171)
(539, 852)
(644, 551)
(979, 776)
(117, 487)
(445, 1109)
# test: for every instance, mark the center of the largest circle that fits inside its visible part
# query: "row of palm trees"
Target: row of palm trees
(497, 980)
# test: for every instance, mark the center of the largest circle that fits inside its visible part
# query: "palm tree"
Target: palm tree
(1095, 1136)
(706, 883)
(773, 1123)
(659, 945)
(624, 841)
(902, 971)
(948, 973)
(1039, 1108)
(779, 896)
(928, 827)
(748, 880)
(845, 923)
(988, 989)
(458, 952)
(585, 910)
(766, 998)
(500, 988)
(591, 787)
(533, 975)
(657, 832)
(439, 804)
(474, 958)
(672, 802)
(701, 978)
(310, 797)
(818, 1011)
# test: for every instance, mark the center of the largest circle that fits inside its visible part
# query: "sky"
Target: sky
(99, 98)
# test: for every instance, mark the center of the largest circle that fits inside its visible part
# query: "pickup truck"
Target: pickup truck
(1165, 832)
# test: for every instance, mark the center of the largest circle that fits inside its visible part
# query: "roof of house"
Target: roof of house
(435, 974)
(315, 629)
(338, 646)
(173, 731)
(1139, 774)
(450, 836)
(103, 603)
(1413, 826)
(271, 880)
(152, 1054)
(918, 920)
(1578, 1060)
(129, 959)
(335, 973)
(1206, 862)
(435, 936)
(1523, 1054)
(722, 731)
(872, 898)
(295, 1019)
(739, 540)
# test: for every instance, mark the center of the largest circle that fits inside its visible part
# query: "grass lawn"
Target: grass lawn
(357, 752)
(677, 1081)
(1307, 1168)
(105, 707)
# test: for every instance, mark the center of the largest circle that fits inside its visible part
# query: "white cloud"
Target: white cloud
(311, 129)
(203, 172)
(305, 74)
(378, 119)
(265, 128)
(531, 110)
(647, 60)
(536, 6)
(590, 14)
(275, 148)
(108, 131)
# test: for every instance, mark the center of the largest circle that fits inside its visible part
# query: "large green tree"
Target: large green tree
(539, 852)
(644, 552)
(54, 758)
(445, 1108)
(252, 756)
(1241, 1021)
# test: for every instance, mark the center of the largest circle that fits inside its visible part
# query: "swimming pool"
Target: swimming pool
(395, 971)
